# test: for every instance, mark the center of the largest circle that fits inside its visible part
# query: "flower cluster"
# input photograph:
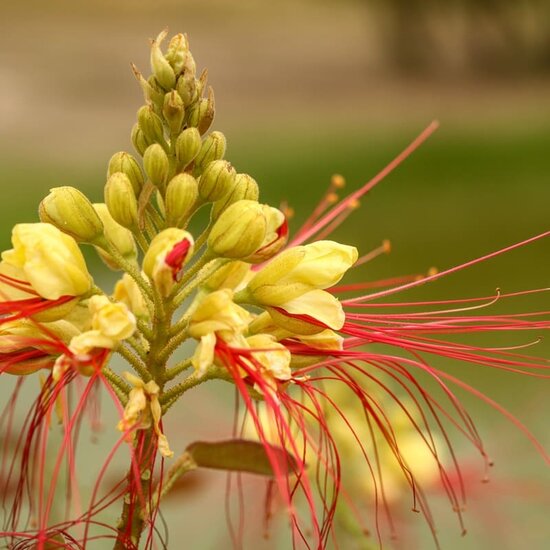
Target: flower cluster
(262, 311)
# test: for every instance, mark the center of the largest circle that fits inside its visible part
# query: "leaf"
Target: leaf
(240, 455)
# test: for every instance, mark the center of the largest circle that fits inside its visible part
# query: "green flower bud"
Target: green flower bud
(150, 124)
(118, 236)
(187, 146)
(173, 111)
(138, 139)
(217, 180)
(201, 114)
(177, 52)
(127, 164)
(121, 200)
(190, 67)
(213, 148)
(244, 188)
(156, 164)
(150, 91)
(239, 231)
(187, 88)
(181, 196)
(70, 211)
(163, 71)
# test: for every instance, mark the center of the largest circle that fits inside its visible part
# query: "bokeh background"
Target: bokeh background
(304, 89)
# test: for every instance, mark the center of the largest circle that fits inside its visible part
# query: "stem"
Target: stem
(117, 383)
(135, 510)
(177, 369)
(206, 269)
(183, 465)
(139, 366)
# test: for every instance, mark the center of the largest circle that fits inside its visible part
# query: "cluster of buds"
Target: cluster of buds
(258, 311)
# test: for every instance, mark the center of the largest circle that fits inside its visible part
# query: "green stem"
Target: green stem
(168, 398)
(206, 270)
(137, 364)
(177, 369)
(120, 387)
(183, 464)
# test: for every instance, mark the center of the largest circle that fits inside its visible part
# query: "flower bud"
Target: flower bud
(138, 139)
(71, 212)
(150, 124)
(181, 196)
(49, 260)
(187, 88)
(157, 165)
(275, 238)
(127, 164)
(165, 257)
(177, 52)
(213, 148)
(188, 146)
(173, 111)
(163, 71)
(149, 87)
(231, 275)
(118, 236)
(244, 188)
(216, 181)
(239, 231)
(121, 200)
(202, 113)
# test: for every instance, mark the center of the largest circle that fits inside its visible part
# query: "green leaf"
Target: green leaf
(240, 455)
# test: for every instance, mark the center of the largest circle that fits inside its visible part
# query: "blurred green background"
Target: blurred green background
(305, 89)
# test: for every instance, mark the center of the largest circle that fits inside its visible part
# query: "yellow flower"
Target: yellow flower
(316, 305)
(217, 312)
(272, 357)
(143, 409)
(127, 292)
(111, 319)
(299, 270)
(111, 323)
(49, 260)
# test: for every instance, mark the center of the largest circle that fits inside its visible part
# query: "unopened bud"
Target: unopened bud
(275, 238)
(231, 275)
(127, 164)
(217, 180)
(71, 212)
(187, 88)
(213, 148)
(188, 146)
(173, 111)
(239, 231)
(244, 188)
(201, 114)
(165, 257)
(121, 200)
(181, 196)
(156, 164)
(150, 124)
(149, 87)
(163, 71)
(177, 52)
(138, 139)
(118, 236)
